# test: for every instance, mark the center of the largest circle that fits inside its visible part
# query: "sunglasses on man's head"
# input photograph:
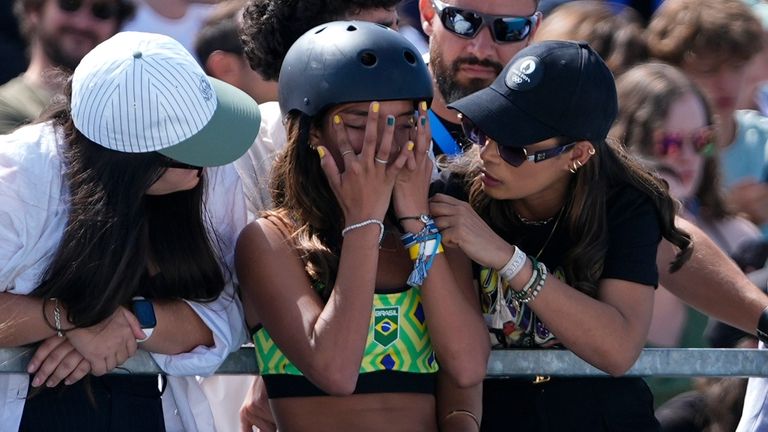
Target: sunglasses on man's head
(514, 156)
(671, 143)
(99, 9)
(467, 23)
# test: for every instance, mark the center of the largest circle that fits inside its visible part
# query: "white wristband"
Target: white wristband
(513, 266)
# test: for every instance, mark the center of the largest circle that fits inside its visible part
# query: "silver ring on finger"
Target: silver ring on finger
(346, 152)
(381, 161)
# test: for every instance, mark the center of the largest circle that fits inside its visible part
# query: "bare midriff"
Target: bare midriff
(385, 412)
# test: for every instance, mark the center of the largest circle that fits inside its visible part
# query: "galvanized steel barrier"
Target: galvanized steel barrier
(682, 362)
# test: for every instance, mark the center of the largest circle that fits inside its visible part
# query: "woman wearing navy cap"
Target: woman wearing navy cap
(564, 226)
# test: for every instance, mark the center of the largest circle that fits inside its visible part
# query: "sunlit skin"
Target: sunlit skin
(354, 117)
(538, 189)
(686, 116)
(174, 180)
(447, 48)
(72, 34)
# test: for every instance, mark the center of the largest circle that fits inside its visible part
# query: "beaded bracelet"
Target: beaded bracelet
(531, 282)
(539, 285)
(513, 267)
(365, 223)
(533, 287)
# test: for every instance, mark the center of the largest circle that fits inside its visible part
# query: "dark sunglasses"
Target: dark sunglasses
(672, 143)
(467, 23)
(514, 156)
(101, 10)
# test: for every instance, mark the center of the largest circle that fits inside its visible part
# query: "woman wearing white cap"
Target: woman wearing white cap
(564, 226)
(116, 234)
(360, 323)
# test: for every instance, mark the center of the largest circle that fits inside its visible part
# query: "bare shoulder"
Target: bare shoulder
(262, 235)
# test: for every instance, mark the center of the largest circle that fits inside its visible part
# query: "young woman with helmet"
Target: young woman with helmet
(353, 299)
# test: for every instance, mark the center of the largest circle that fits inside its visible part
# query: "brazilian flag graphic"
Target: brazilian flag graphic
(386, 325)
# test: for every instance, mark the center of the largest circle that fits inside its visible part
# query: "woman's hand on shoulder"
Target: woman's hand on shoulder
(109, 343)
(363, 186)
(461, 226)
(411, 188)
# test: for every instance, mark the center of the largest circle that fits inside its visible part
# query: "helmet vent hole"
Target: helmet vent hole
(368, 59)
(320, 30)
(409, 57)
(351, 28)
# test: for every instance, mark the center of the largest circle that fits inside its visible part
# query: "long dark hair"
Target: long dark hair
(305, 203)
(585, 209)
(115, 232)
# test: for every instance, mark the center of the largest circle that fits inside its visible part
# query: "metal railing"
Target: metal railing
(684, 362)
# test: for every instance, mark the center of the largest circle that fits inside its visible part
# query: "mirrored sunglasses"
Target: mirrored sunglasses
(100, 9)
(701, 140)
(514, 156)
(467, 23)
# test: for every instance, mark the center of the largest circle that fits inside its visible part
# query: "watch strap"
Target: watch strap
(147, 330)
(147, 334)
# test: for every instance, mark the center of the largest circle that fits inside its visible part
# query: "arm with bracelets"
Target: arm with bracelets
(451, 305)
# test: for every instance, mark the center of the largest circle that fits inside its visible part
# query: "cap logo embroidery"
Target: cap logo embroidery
(524, 74)
(205, 89)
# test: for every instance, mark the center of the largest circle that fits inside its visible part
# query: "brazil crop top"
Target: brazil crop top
(398, 355)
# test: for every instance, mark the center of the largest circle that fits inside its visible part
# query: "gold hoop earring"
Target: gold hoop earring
(578, 162)
(573, 167)
(592, 151)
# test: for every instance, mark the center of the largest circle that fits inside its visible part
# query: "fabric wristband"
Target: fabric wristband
(428, 245)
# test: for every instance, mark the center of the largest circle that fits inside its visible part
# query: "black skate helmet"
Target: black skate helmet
(351, 61)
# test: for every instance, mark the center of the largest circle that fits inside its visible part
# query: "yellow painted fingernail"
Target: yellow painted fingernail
(321, 152)
(375, 107)
(423, 105)
(410, 145)
(337, 119)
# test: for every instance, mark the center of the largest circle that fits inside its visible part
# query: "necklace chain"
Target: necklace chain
(551, 233)
(527, 221)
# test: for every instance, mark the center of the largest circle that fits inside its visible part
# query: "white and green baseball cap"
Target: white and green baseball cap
(142, 92)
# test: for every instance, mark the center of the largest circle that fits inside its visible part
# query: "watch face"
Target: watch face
(145, 313)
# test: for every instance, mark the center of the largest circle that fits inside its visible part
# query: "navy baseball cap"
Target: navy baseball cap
(549, 89)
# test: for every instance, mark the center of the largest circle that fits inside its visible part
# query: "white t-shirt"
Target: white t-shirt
(183, 29)
(255, 165)
(33, 213)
